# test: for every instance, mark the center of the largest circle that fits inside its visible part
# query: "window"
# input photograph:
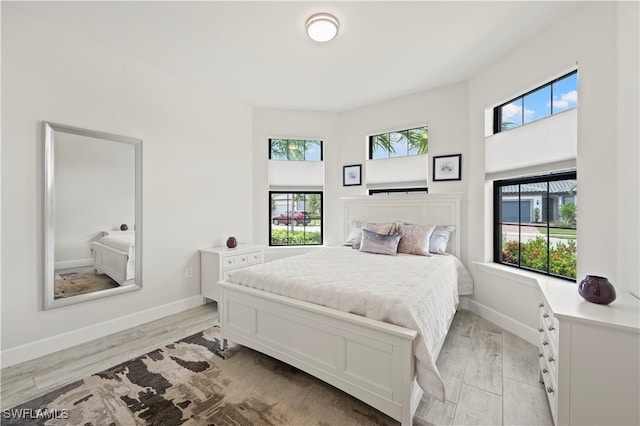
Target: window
(405, 191)
(535, 223)
(296, 218)
(295, 149)
(399, 144)
(551, 98)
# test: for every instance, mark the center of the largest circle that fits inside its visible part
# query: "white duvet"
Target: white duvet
(416, 292)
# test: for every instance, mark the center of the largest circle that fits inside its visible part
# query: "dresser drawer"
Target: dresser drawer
(550, 385)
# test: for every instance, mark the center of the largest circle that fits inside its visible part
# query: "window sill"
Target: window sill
(530, 279)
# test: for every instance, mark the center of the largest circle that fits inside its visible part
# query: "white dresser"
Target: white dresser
(589, 356)
(218, 263)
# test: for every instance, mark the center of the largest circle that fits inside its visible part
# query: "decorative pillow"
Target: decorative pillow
(355, 236)
(415, 238)
(372, 242)
(439, 241)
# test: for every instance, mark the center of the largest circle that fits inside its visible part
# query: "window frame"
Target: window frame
(498, 222)
(304, 141)
(370, 140)
(399, 191)
(292, 192)
(497, 111)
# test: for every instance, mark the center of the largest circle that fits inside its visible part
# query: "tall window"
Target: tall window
(535, 223)
(399, 144)
(551, 98)
(296, 182)
(296, 218)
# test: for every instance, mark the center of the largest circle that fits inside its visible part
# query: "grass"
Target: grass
(558, 233)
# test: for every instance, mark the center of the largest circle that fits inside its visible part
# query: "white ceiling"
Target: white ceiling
(258, 53)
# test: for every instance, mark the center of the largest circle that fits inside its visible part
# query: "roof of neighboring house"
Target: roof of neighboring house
(555, 187)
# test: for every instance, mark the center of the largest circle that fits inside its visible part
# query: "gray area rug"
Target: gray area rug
(191, 382)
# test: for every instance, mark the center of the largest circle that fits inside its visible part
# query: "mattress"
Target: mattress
(124, 242)
(416, 292)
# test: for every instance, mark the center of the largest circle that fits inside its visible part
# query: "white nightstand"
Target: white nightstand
(218, 263)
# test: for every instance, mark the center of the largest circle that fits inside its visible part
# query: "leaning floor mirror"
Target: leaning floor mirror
(92, 214)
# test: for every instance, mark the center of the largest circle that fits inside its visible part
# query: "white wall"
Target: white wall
(94, 186)
(345, 142)
(269, 123)
(572, 39)
(197, 158)
(628, 137)
(443, 109)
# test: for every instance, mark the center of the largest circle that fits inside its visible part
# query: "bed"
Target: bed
(386, 360)
(114, 255)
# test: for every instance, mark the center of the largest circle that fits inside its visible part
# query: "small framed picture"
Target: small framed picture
(447, 167)
(351, 175)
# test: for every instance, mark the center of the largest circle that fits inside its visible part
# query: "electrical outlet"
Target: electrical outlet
(189, 273)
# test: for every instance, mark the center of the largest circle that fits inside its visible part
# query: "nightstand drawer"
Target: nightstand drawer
(219, 263)
(242, 260)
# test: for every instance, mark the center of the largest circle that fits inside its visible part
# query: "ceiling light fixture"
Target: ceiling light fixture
(322, 27)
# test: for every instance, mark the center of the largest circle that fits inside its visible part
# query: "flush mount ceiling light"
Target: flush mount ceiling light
(322, 27)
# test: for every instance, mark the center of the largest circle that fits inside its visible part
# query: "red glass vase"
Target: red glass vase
(232, 242)
(597, 289)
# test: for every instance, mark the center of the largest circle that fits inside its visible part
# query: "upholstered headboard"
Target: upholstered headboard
(424, 209)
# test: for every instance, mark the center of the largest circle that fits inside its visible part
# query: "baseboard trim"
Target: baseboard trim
(32, 350)
(69, 264)
(521, 330)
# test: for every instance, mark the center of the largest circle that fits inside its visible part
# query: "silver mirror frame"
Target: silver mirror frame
(49, 129)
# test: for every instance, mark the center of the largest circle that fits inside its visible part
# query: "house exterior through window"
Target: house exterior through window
(535, 223)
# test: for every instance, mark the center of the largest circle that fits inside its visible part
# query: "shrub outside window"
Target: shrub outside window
(296, 218)
(551, 98)
(535, 223)
(399, 144)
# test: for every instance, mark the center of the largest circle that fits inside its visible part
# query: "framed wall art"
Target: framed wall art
(351, 175)
(447, 167)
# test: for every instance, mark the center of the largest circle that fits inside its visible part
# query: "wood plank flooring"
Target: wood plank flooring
(491, 375)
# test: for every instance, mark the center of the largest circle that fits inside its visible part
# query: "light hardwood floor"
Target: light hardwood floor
(491, 375)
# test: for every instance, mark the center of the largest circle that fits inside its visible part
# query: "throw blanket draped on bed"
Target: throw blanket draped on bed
(416, 292)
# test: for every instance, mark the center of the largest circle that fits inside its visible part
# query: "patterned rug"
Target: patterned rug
(191, 382)
(76, 283)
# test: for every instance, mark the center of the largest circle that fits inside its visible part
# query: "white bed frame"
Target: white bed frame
(109, 260)
(368, 359)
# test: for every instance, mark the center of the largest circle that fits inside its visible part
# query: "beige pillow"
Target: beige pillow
(414, 239)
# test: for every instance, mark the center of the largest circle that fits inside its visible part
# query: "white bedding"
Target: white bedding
(124, 242)
(416, 292)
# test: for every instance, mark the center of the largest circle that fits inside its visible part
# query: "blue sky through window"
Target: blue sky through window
(549, 99)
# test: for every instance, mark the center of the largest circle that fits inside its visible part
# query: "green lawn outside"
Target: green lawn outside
(559, 233)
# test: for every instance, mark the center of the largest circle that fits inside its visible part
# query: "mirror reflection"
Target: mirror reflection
(92, 203)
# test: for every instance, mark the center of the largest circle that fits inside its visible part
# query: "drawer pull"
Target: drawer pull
(545, 343)
(550, 389)
(540, 305)
(551, 359)
(545, 371)
(540, 355)
(551, 328)
(545, 315)
(541, 330)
